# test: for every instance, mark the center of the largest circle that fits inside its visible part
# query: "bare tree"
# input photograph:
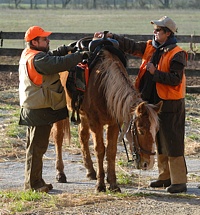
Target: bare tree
(114, 4)
(17, 2)
(165, 3)
(47, 3)
(35, 6)
(94, 4)
(31, 4)
(65, 3)
(126, 3)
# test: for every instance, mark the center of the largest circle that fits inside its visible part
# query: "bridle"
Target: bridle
(137, 149)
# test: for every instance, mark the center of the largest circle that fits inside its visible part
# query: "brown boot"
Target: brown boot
(160, 183)
(177, 188)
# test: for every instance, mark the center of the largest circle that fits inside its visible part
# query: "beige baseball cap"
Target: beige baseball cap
(166, 22)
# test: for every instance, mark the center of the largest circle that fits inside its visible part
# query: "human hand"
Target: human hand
(64, 50)
(101, 35)
(151, 68)
(86, 54)
(70, 48)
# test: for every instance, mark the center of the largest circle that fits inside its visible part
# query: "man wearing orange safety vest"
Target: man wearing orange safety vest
(42, 98)
(161, 77)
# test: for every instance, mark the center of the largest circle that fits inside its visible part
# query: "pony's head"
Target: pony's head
(142, 134)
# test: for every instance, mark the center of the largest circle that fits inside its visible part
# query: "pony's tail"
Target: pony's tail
(66, 130)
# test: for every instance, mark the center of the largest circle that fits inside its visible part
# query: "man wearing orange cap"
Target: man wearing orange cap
(161, 77)
(42, 98)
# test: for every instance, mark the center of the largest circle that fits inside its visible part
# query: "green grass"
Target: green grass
(20, 201)
(190, 97)
(90, 21)
(74, 135)
(194, 137)
(10, 112)
(15, 131)
(124, 179)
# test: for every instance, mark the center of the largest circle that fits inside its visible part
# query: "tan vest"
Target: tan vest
(166, 92)
(47, 94)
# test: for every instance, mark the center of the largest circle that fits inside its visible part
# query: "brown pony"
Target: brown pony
(109, 101)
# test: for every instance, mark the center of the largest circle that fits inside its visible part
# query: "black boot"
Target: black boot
(160, 183)
(177, 188)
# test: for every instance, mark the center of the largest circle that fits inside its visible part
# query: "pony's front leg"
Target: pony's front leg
(84, 136)
(111, 150)
(99, 146)
(58, 135)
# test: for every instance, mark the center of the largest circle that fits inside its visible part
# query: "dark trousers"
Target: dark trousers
(37, 144)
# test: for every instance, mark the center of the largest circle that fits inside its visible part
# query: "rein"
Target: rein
(137, 149)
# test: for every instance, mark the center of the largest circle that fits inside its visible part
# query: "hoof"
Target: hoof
(92, 176)
(100, 188)
(61, 178)
(114, 189)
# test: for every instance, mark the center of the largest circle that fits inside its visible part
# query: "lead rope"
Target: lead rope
(120, 130)
(139, 179)
(140, 171)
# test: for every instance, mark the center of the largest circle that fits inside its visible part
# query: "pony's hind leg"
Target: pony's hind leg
(58, 135)
(111, 150)
(84, 136)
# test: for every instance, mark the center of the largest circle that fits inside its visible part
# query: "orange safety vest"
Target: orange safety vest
(34, 76)
(38, 91)
(166, 92)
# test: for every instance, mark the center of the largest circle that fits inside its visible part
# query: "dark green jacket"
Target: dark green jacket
(48, 64)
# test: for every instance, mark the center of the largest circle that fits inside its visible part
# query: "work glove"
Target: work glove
(86, 54)
(64, 50)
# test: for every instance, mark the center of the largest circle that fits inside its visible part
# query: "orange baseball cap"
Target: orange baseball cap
(35, 31)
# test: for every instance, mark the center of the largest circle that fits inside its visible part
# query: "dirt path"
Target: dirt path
(149, 201)
(136, 199)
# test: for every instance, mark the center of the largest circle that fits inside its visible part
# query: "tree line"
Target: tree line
(101, 4)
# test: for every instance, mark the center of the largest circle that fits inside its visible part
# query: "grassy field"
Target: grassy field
(13, 136)
(90, 21)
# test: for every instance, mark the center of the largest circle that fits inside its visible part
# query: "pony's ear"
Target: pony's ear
(141, 109)
(158, 107)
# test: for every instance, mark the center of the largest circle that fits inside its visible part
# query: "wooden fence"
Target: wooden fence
(11, 52)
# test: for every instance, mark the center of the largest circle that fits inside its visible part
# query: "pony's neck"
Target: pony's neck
(120, 94)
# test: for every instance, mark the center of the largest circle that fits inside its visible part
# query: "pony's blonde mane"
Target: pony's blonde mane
(118, 90)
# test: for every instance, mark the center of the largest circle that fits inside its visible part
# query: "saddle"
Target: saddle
(78, 77)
